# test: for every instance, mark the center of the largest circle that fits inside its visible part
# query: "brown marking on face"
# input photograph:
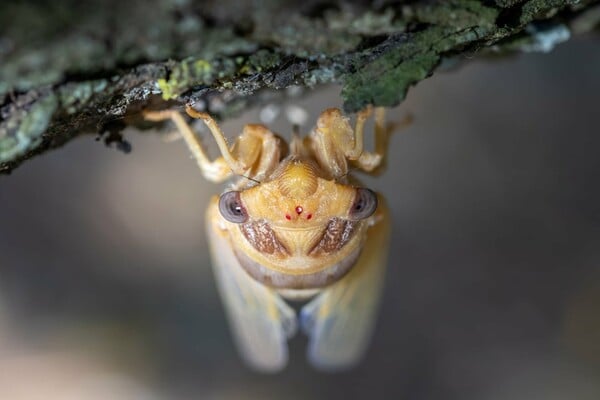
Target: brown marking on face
(262, 238)
(336, 235)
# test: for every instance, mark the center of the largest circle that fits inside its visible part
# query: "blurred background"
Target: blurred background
(493, 290)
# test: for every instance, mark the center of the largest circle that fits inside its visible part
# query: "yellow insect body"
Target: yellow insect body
(295, 225)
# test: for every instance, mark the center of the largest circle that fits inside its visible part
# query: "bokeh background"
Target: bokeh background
(492, 292)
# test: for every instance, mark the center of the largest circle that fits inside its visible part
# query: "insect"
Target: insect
(296, 226)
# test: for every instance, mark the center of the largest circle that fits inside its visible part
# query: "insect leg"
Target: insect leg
(356, 152)
(217, 170)
(254, 154)
(235, 164)
(371, 161)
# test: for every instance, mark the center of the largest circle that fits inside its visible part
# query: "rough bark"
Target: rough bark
(69, 67)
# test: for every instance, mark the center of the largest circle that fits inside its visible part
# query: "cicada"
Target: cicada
(295, 226)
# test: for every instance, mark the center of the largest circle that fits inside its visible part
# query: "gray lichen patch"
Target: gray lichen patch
(23, 131)
(77, 95)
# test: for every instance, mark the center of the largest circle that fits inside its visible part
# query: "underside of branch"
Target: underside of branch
(68, 68)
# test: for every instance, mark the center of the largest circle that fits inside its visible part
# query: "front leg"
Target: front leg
(372, 162)
(254, 154)
(335, 143)
(237, 166)
(215, 171)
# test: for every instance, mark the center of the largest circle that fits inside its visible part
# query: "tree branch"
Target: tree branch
(67, 69)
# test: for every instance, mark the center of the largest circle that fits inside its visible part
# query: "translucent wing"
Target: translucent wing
(259, 318)
(340, 320)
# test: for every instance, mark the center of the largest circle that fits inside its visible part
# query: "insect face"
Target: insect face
(298, 224)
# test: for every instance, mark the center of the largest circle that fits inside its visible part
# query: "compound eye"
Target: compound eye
(365, 204)
(231, 208)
